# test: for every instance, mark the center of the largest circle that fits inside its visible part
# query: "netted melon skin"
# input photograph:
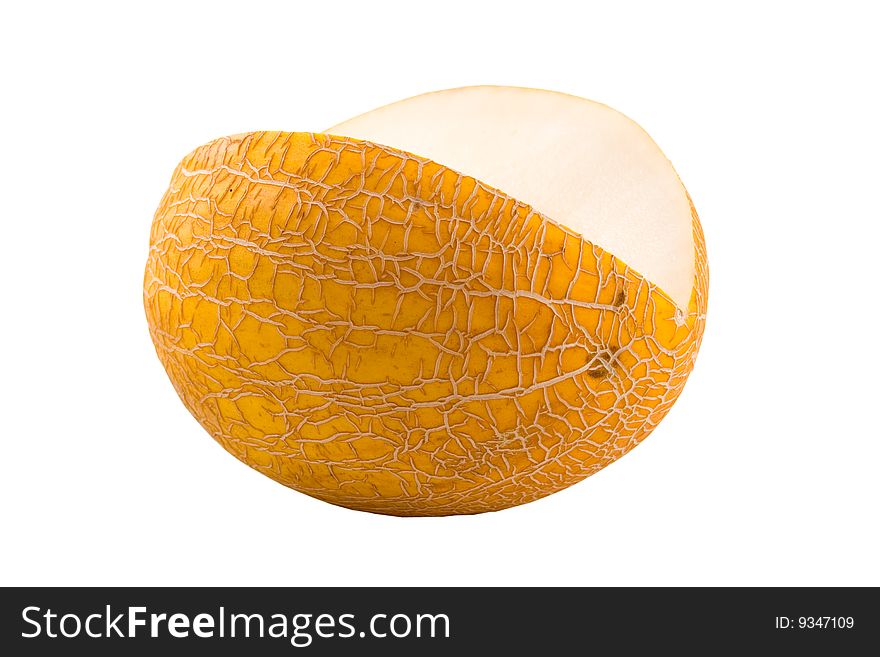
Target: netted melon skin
(380, 332)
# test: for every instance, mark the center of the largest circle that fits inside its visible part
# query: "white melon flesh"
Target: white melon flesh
(580, 163)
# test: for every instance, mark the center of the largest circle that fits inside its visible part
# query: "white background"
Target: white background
(765, 472)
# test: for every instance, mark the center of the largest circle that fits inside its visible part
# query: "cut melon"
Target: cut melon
(458, 303)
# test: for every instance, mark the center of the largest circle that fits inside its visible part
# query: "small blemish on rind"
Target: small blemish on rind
(679, 317)
(597, 373)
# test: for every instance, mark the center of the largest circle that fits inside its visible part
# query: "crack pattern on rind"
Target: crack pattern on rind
(383, 333)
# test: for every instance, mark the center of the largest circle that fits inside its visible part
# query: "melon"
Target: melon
(457, 303)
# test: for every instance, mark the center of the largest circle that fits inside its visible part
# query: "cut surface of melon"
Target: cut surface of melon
(580, 163)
